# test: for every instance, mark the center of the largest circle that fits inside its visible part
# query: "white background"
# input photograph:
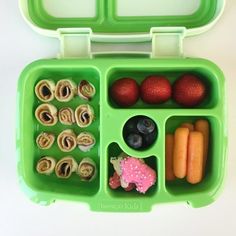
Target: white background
(19, 45)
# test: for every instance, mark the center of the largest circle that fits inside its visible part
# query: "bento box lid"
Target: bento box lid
(121, 16)
(119, 21)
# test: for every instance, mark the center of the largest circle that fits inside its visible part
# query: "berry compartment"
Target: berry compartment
(32, 128)
(172, 74)
(140, 133)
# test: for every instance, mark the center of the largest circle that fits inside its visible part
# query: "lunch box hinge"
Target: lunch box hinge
(167, 42)
(75, 43)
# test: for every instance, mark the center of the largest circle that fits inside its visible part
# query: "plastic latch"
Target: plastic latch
(75, 43)
(167, 42)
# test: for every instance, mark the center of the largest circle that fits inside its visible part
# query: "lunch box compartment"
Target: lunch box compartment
(214, 163)
(113, 151)
(32, 128)
(172, 74)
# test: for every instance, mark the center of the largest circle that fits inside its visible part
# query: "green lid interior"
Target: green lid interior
(121, 16)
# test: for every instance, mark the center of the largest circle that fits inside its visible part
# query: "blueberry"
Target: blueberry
(146, 126)
(135, 141)
(149, 139)
(131, 127)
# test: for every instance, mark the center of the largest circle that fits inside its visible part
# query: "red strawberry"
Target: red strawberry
(114, 181)
(125, 92)
(155, 90)
(130, 187)
(189, 90)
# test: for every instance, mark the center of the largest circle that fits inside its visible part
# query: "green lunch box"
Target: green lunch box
(158, 35)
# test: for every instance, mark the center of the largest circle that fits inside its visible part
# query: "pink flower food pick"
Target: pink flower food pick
(137, 172)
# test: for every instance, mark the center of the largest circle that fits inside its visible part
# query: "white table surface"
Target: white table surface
(19, 45)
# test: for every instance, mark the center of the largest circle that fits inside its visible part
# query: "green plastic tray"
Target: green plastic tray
(101, 72)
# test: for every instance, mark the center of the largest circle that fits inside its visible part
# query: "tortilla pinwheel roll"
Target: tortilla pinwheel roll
(46, 165)
(85, 141)
(65, 90)
(84, 115)
(46, 114)
(66, 116)
(44, 90)
(45, 140)
(86, 90)
(87, 169)
(66, 140)
(65, 167)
